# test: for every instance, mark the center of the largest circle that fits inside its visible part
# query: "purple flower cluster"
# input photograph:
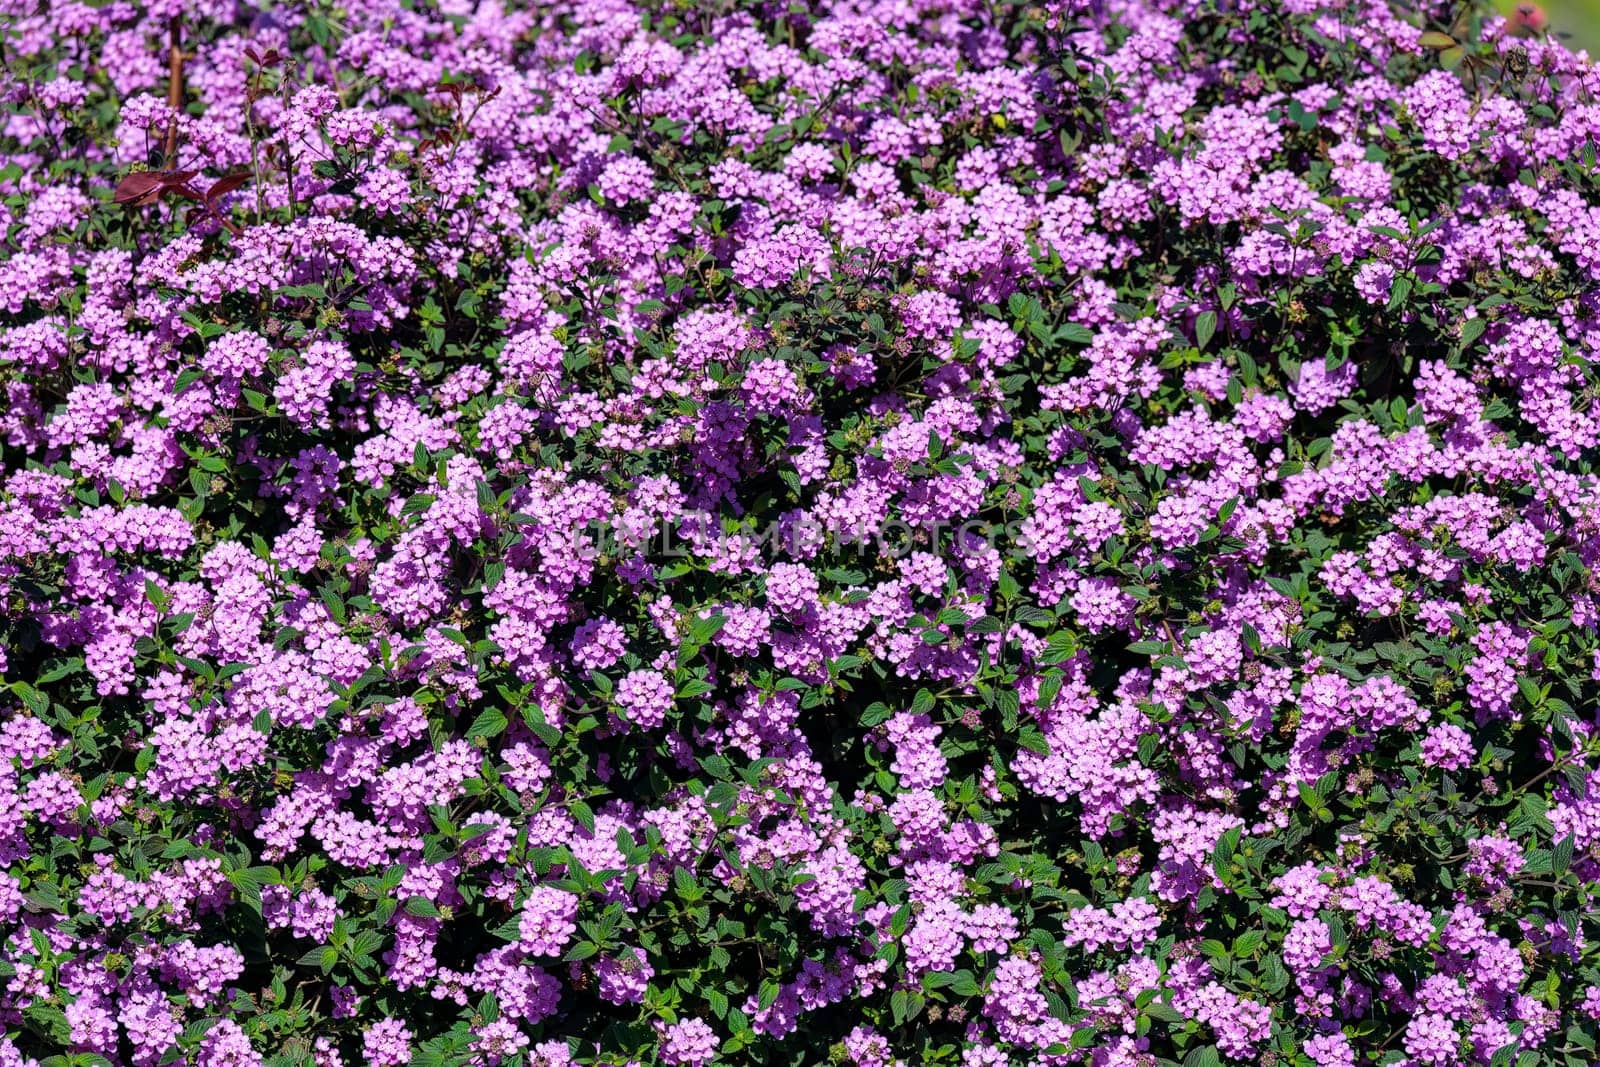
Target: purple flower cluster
(878, 533)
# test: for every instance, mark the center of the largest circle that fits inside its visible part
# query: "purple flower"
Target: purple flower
(646, 697)
(548, 922)
(688, 1042)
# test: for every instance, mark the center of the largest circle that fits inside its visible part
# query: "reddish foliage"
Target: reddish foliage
(147, 187)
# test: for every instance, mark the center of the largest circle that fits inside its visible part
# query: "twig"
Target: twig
(174, 86)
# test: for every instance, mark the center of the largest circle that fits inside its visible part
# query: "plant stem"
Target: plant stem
(174, 87)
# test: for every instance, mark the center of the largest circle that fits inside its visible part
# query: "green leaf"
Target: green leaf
(71, 666)
(1314, 800)
(332, 601)
(1049, 688)
(1031, 739)
(1561, 856)
(50, 1021)
(1400, 292)
(905, 1005)
(1205, 326)
(1222, 854)
(490, 723)
(703, 630)
(420, 502)
(963, 984)
(694, 687)
(1530, 690)
(581, 951)
(875, 714)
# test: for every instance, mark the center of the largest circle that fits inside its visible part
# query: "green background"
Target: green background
(1578, 20)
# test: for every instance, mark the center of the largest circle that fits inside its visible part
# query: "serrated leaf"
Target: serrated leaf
(1561, 855)
(491, 722)
(581, 951)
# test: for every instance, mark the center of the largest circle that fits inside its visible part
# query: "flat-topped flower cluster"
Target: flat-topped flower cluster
(428, 435)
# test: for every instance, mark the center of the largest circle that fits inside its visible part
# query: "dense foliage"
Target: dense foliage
(926, 532)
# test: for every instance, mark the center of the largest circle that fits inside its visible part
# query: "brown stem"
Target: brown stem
(174, 87)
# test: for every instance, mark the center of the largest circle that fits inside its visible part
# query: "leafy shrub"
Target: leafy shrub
(939, 533)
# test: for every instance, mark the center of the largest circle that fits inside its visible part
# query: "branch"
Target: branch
(174, 86)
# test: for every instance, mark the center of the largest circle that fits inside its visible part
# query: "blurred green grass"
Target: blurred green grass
(1578, 20)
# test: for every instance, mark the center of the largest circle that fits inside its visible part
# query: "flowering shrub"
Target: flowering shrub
(924, 533)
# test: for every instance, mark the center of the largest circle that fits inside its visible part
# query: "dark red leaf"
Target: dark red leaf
(136, 187)
(188, 192)
(442, 140)
(226, 184)
(204, 211)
